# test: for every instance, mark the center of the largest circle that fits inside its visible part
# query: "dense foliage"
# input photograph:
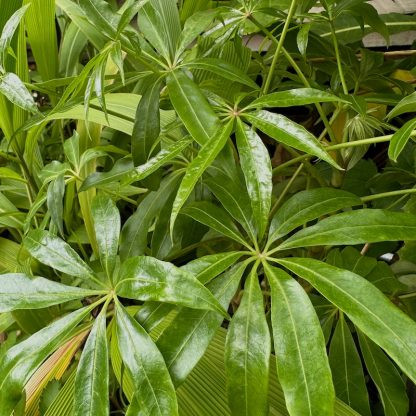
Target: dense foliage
(206, 208)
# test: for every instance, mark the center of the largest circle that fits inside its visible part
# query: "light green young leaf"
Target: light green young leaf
(368, 308)
(247, 353)
(20, 361)
(256, 166)
(308, 205)
(16, 92)
(107, 225)
(54, 252)
(92, 379)
(406, 105)
(289, 133)
(146, 278)
(389, 383)
(19, 291)
(154, 391)
(54, 199)
(302, 38)
(197, 167)
(355, 227)
(347, 371)
(302, 363)
(400, 138)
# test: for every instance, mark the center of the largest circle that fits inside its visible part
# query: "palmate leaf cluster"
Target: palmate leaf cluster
(193, 225)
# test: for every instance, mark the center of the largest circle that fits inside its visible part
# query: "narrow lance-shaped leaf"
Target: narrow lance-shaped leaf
(214, 217)
(355, 227)
(302, 363)
(154, 391)
(12, 87)
(400, 139)
(389, 383)
(19, 291)
(54, 252)
(20, 361)
(256, 166)
(347, 370)
(406, 105)
(294, 97)
(54, 200)
(146, 278)
(247, 353)
(107, 225)
(196, 168)
(368, 308)
(289, 133)
(92, 379)
(306, 206)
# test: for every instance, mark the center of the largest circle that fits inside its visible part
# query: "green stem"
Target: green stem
(388, 194)
(338, 58)
(279, 47)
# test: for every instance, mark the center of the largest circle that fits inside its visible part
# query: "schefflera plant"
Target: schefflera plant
(138, 278)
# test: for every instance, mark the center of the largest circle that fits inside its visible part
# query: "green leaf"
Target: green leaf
(302, 38)
(146, 128)
(256, 166)
(294, 97)
(19, 291)
(16, 92)
(355, 227)
(54, 252)
(164, 156)
(160, 24)
(406, 105)
(389, 383)
(20, 361)
(92, 379)
(71, 150)
(214, 217)
(302, 363)
(146, 278)
(223, 69)
(192, 107)
(400, 139)
(308, 205)
(247, 353)
(197, 167)
(54, 199)
(289, 133)
(347, 371)
(107, 225)
(154, 391)
(185, 340)
(366, 306)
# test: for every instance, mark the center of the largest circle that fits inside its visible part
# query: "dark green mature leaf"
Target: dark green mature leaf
(309, 205)
(257, 169)
(54, 252)
(12, 87)
(289, 133)
(146, 278)
(185, 340)
(192, 107)
(54, 199)
(247, 353)
(154, 391)
(302, 363)
(365, 305)
(20, 361)
(146, 128)
(389, 383)
(347, 371)
(197, 167)
(214, 217)
(19, 291)
(223, 69)
(92, 379)
(400, 139)
(355, 227)
(107, 225)
(294, 97)
(160, 24)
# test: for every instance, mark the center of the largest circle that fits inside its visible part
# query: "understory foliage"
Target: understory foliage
(206, 208)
